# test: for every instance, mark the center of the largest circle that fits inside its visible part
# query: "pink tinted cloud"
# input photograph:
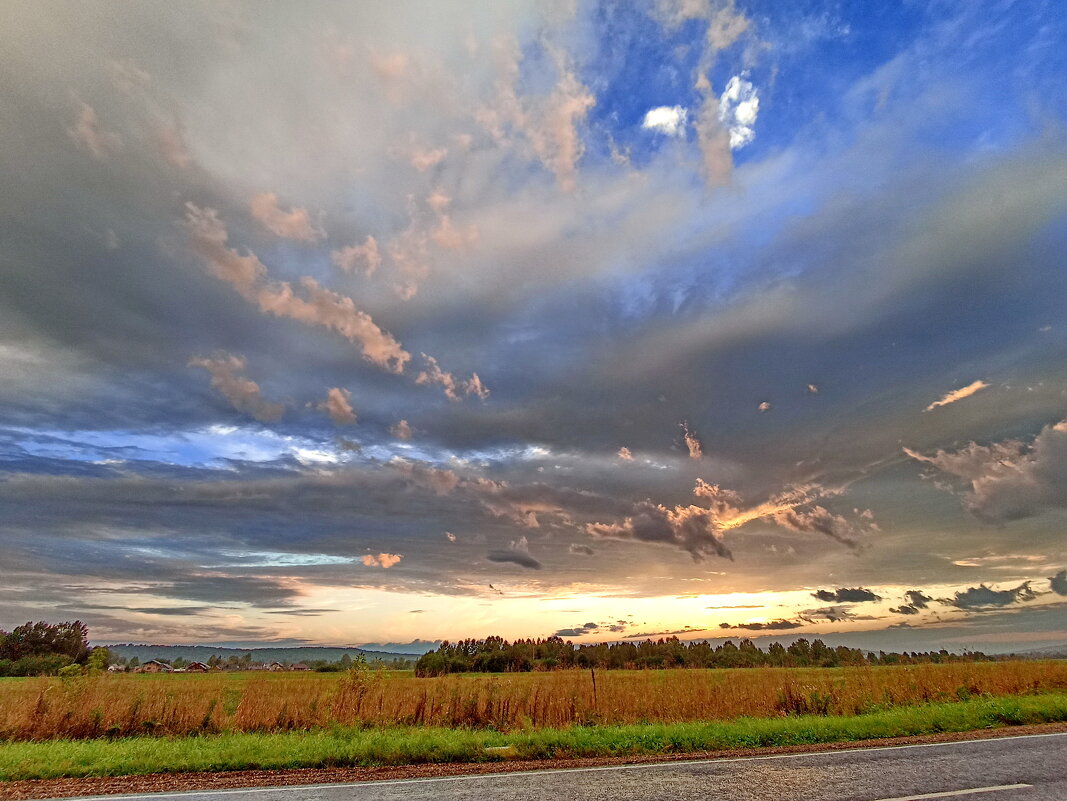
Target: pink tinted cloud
(311, 303)
(338, 405)
(350, 258)
(292, 224)
(243, 393)
(385, 560)
(89, 136)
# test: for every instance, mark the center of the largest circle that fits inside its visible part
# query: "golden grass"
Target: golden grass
(43, 709)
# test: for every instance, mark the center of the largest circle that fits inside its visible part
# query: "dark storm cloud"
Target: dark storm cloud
(1058, 583)
(518, 552)
(983, 597)
(693, 529)
(174, 610)
(644, 635)
(832, 614)
(770, 625)
(846, 595)
(302, 612)
(578, 631)
(916, 601)
(1011, 479)
(225, 588)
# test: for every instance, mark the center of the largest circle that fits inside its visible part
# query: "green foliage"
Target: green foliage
(406, 745)
(68, 639)
(99, 659)
(46, 665)
(497, 655)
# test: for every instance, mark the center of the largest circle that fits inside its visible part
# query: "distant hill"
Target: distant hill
(201, 653)
(1048, 652)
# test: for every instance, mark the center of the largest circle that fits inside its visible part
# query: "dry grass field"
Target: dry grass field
(123, 705)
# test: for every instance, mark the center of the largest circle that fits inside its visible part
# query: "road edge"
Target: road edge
(295, 777)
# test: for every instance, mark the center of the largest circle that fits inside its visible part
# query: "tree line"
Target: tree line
(50, 649)
(497, 655)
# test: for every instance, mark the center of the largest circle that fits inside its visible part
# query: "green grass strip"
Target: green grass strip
(407, 746)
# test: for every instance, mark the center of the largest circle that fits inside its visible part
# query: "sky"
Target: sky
(349, 323)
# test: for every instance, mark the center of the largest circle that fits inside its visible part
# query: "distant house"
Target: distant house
(116, 669)
(196, 667)
(300, 666)
(156, 666)
(277, 667)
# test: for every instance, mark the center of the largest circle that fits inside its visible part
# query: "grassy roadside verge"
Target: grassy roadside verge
(406, 746)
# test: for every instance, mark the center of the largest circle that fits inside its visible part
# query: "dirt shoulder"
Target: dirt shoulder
(179, 782)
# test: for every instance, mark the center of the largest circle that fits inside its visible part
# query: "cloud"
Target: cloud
(433, 374)
(450, 536)
(831, 614)
(692, 443)
(577, 549)
(983, 597)
(957, 395)
(819, 520)
(292, 224)
(916, 600)
(1012, 479)
(171, 141)
(813, 389)
(402, 430)
(422, 160)
(517, 552)
(770, 625)
(88, 135)
(669, 120)
(1058, 583)
(243, 393)
(692, 528)
(319, 306)
(384, 560)
(625, 454)
(547, 124)
(338, 405)
(764, 407)
(127, 76)
(349, 258)
(738, 110)
(699, 530)
(847, 595)
(725, 24)
(224, 588)
(713, 138)
(578, 631)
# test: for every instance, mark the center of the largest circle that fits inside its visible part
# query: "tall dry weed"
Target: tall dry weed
(113, 706)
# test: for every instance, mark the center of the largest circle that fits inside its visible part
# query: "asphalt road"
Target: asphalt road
(1007, 769)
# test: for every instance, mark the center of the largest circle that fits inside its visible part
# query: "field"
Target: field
(115, 725)
(113, 706)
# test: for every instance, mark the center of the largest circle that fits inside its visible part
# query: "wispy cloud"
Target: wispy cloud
(957, 395)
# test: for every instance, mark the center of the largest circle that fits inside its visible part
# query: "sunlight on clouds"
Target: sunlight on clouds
(738, 110)
(957, 395)
(669, 120)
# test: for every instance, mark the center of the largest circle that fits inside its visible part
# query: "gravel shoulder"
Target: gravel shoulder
(179, 782)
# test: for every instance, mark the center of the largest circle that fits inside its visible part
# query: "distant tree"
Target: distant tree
(346, 661)
(99, 659)
(70, 639)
